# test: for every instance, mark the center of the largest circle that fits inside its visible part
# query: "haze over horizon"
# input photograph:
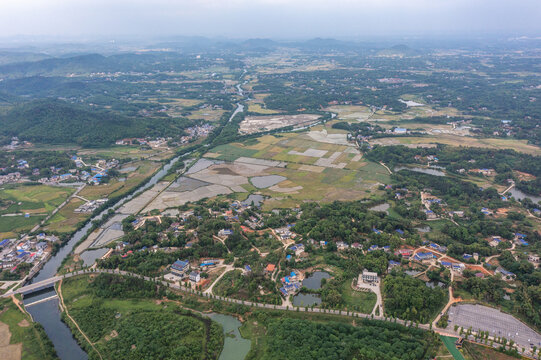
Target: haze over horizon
(278, 19)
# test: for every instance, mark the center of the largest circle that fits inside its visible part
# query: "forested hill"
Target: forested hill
(57, 122)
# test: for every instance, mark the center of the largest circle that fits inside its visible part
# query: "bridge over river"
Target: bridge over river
(48, 283)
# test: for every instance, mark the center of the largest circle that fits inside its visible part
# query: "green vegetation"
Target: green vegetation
(58, 122)
(36, 200)
(122, 320)
(295, 338)
(410, 299)
(235, 285)
(35, 343)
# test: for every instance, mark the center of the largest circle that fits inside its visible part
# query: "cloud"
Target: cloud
(267, 18)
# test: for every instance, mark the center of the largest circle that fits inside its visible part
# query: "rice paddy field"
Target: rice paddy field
(316, 166)
(517, 145)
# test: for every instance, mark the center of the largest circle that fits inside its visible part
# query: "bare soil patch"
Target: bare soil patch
(254, 124)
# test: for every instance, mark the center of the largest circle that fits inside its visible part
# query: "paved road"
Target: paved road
(480, 317)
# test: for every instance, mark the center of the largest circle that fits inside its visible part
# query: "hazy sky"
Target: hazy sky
(268, 18)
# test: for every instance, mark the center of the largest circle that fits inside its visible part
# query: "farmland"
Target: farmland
(35, 200)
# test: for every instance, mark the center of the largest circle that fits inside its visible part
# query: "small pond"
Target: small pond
(423, 229)
(421, 170)
(306, 300)
(202, 164)
(253, 199)
(312, 282)
(235, 346)
(90, 256)
(410, 103)
(381, 207)
(433, 284)
(519, 195)
(262, 182)
(412, 272)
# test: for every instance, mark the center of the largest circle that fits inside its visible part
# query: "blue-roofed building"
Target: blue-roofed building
(446, 264)
(523, 242)
(208, 263)
(180, 268)
(421, 256)
(4, 242)
(225, 232)
(401, 232)
(393, 264)
(377, 231)
(467, 256)
(373, 248)
(288, 257)
(506, 275)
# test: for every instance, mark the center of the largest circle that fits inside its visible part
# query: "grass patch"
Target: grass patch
(358, 300)
(35, 343)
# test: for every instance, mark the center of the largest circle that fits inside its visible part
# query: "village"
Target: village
(19, 257)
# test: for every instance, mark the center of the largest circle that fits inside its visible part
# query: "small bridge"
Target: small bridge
(40, 285)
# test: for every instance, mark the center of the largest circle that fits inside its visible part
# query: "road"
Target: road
(58, 208)
(478, 319)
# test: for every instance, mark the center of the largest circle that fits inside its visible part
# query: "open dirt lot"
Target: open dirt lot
(254, 124)
(7, 351)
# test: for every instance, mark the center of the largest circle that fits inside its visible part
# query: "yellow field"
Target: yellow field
(517, 145)
(260, 110)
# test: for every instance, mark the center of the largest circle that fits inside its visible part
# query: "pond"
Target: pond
(262, 182)
(312, 282)
(423, 229)
(202, 164)
(90, 256)
(421, 170)
(381, 207)
(412, 272)
(255, 199)
(306, 300)
(519, 195)
(235, 346)
(410, 103)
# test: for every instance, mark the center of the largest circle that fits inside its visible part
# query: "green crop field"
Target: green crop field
(36, 200)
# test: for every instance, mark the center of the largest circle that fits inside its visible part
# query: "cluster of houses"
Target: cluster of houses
(291, 284)
(90, 206)
(13, 177)
(16, 144)
(31, 250)
(181, 269)
(484, 172)
(193, 133)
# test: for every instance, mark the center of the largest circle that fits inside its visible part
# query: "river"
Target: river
(235, 346)
(48, 313)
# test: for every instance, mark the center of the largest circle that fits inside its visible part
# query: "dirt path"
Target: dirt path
(385, 166)
(65, 309)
